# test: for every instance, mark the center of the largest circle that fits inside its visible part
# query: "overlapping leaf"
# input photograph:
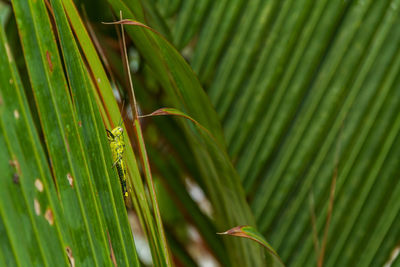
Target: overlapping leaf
(74, 215)
(304, 87)
(187, 95)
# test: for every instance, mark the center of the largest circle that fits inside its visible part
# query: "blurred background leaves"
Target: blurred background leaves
(308, 99)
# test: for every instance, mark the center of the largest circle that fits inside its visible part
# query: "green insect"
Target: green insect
(117, 144)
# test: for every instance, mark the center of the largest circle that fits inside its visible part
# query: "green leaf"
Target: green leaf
(105, 95)
(60, 127)
(93, 135)
(32, 225)
(187, 95)
(295, 100)
(250, 232)
(303, 88)
(62, 208)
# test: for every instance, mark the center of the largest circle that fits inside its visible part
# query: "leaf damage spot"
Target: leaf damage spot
(16, 114)
(9, 55)
(70, 179)
(49, 216)
(36, 205)
(11, 81)
(70, 257)
(48, 57)
(79, 123)
(98, 80)
(1, 101)
(67, 144)
(15, 164)
(39, 185)
(393, 256)
(15, 178)
(112, 255)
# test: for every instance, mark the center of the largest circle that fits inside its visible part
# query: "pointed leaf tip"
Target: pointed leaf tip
(250, 232)
(131, 22)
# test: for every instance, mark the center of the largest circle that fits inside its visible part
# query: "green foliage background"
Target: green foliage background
(300, 100)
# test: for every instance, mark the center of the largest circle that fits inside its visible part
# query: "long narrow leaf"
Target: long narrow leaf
(176, 76)
(63, 141)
